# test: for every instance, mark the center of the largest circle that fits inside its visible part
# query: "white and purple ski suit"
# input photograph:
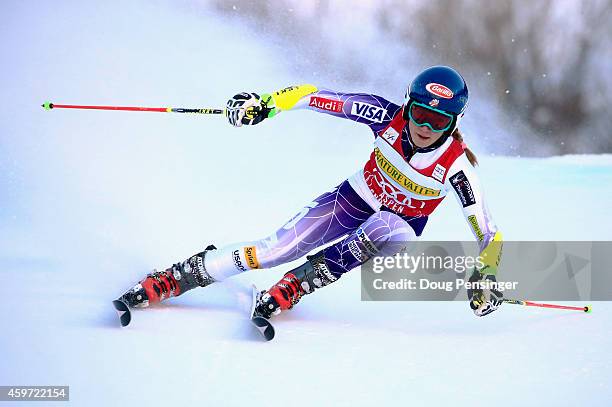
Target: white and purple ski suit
(377, 210)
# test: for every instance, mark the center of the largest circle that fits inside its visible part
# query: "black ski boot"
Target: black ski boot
(172, 282)
(266, 305)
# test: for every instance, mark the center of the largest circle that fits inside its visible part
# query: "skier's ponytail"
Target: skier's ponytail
(468, 153)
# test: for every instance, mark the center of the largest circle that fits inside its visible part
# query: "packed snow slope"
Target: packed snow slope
(92, 201)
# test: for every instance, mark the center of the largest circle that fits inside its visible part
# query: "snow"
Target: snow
(91, 201)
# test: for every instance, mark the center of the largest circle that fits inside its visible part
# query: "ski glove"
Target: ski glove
(483, 301)
(248, 108)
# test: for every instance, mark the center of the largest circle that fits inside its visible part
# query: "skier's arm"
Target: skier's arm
(463, 181)
(360, 107)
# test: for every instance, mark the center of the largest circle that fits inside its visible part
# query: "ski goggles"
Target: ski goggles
(423, 115)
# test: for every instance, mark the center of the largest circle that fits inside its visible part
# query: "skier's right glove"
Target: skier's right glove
(249, 108)
(483, 301)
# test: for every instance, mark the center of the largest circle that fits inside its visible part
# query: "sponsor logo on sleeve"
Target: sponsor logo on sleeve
(368, 111)
(330, 105)
(462, 186)
(285, 90)
(439, 90)
(474, 224)
(238, 260)
(250, 254)
(438, 172)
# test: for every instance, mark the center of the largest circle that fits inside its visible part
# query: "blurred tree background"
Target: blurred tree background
(547, 62)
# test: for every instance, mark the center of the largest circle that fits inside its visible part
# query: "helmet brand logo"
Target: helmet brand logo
(439, 90)
(434, 102)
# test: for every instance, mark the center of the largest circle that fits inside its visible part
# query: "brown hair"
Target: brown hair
(468, 153)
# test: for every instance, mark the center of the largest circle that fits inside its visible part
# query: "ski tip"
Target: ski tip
(47, 105)
(264, 327)
(123, 312)
(588, 309)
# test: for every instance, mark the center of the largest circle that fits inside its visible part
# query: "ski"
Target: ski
(263, 325)
(123, 312)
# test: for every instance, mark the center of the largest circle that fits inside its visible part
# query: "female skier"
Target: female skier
(418, 158)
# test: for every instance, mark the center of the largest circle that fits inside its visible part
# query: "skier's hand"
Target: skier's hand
(484, 301)
(246, 108)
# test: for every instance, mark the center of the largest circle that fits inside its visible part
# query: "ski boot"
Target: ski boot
(172, 282)
(281, 296)
(293, 286)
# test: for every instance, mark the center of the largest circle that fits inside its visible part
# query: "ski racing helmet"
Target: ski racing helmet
(436, 98)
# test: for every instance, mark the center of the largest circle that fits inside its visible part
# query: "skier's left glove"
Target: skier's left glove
(249, 108)
(483, 301)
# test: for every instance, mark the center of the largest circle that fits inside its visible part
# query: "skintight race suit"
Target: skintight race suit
(376, 211)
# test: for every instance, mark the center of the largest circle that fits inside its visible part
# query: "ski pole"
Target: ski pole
(586, 308)
(49, 106)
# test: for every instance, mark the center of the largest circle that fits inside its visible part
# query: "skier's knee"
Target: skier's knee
(385, 226)
(384, 233)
